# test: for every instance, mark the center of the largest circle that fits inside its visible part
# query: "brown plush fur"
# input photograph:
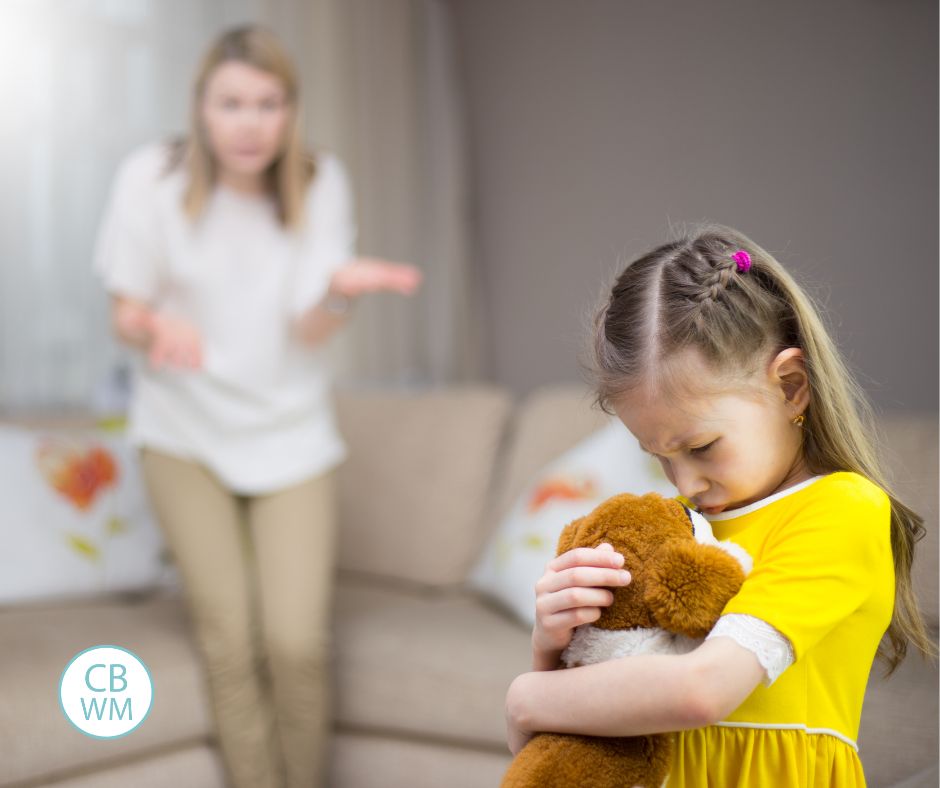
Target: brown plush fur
(678, 585)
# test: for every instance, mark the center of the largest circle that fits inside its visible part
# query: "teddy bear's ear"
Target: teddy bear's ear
(569, 535)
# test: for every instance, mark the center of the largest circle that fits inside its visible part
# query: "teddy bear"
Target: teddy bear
(682, 579)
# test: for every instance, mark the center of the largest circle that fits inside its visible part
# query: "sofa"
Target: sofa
(421, 661)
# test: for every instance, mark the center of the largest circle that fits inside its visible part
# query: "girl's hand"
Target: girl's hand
(371, 275)
(573, 591)
(174, 343)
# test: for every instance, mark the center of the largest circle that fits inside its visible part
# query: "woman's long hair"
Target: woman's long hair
(292, 170)
(688, 294)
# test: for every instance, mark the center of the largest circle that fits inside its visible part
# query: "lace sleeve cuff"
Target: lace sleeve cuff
(771, 648)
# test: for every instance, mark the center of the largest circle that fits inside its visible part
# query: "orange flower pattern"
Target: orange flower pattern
(561, 488)
(78, 473)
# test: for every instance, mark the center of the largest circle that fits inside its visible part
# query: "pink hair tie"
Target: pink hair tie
(743, 259)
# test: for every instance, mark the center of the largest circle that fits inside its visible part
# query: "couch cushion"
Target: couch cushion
(413, 493)
(433, 664)
(607, 462)
(364, 761)
(38, 642)
(928, 778)
(195, 766)
(547, 423)
(898, 734)
(75, 514)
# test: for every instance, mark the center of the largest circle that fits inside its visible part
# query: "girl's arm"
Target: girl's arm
(362, 275)
(637, 695)
(624, 697)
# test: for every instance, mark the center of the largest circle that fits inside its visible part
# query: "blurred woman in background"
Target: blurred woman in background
(230, 260)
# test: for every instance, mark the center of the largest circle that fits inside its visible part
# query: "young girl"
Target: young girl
(718, 363)
(230, 260)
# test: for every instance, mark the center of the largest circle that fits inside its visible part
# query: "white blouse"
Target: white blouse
(259, 413)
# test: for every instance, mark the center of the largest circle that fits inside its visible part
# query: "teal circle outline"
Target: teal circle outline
(126, 651)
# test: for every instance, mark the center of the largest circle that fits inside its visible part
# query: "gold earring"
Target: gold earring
(798, 421)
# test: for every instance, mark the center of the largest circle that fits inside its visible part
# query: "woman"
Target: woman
(229, 257)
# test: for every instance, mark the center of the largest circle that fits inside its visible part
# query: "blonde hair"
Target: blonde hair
(689, 294)
(290, 173)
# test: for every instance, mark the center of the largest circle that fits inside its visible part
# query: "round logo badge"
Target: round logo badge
(106, 691)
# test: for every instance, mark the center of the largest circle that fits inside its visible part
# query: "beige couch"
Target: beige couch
(422, 664)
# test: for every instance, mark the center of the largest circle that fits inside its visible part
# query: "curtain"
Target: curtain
(83, 82)
(381, 89)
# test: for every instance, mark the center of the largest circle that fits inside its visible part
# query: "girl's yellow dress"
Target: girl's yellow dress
(823, 576)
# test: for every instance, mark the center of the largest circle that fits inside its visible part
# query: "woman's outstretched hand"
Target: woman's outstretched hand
(168, 341)
(372, 275)
(174, 343)
(574, 590)
(358, 277)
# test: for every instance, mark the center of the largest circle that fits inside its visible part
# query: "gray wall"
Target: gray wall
(811, 126)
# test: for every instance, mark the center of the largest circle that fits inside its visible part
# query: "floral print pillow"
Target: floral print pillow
(605, 463)
(75, 515)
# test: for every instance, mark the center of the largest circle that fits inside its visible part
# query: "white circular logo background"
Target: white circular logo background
(106, 691)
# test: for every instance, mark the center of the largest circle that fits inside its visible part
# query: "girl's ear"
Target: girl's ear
(788, 372)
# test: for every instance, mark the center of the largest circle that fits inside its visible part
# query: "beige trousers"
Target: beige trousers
(257, 578)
